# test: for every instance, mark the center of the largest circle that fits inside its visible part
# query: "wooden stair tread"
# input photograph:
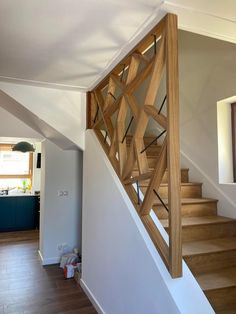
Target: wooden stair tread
(201, 220)
(152, 168)
(229, 311)
(190, 201)
(184, 183)
(209, 246)
(222, 278)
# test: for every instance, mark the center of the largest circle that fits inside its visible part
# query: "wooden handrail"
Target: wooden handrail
(110, 108)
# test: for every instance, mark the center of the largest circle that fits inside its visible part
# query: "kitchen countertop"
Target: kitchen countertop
(14, 195)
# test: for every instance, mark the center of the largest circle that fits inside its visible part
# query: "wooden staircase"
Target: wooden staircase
(209, 240)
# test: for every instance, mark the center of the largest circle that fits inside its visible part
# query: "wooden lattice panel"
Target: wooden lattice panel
(113, 101)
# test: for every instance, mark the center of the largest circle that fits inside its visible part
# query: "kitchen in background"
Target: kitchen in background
(20, 175)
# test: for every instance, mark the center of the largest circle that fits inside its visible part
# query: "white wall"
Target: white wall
(60, 216)
(63, 110)
(121, 269)
(10, 126)
(207, 75)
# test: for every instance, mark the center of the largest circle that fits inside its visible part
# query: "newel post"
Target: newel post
(173, 147)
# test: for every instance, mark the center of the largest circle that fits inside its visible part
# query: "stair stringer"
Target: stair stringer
(121, 267)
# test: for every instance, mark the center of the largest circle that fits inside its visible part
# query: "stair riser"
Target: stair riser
(189, 210)
(152, 151)
(184, 177)
(151, 163)
(202, 232)
(222, 299)
(147, 141)
(193, 191)
(203, 263)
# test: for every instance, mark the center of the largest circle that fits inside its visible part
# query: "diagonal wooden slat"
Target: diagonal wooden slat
(122, 113)
(141, 56)
(157, 238)
(141, 177)
(132, 86)
(155, 180)
(141, 157)
(156, 75)
(110, 91)
(107, 120)
(133, 105)
(143, 117)
(158, 117)
(120, 130)
(113, 146)
(109, 112)
(116, 79)
(140, 47)
(93, 108)
(120, 97)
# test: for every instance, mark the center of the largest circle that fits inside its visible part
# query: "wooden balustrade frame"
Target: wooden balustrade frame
(111, 102)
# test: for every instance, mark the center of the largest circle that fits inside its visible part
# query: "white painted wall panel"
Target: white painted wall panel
(121, 268)
(60, 216)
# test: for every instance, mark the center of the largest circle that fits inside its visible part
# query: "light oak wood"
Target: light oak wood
(189, 208)
(219, 279)
(141, 57)
(155, 181)
(210, 255)
(122, 113)
(113, 146)
(188, 190)
(158, 117)
(173, 146)
(106, 120)
(133, 155)
(184, 176)
(205, 227)
(222, 299)
(6, 147)
(133, 105)
(157, 239)
(140, 47)
(110, 91)
(143, 117)
(141, 157)
(132, 86)
(139, 178)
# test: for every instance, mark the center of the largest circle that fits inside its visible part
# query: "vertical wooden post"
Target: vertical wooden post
(88, 111)
(173, 146)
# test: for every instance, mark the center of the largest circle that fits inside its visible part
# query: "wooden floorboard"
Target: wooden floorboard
(28, 288)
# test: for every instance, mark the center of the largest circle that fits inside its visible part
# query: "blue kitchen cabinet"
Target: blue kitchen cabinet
(7, 213)
(25, 213)
(18, 212)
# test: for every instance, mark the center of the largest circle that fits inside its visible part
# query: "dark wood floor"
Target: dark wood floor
(27, 287)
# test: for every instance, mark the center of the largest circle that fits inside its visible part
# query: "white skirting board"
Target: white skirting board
(91, 297)
(48, 261)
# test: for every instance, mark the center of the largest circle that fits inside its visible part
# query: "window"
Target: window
(15, 167)
(226, 127)
(233, 121)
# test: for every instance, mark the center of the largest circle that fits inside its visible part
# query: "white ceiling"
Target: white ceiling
(74, 43)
